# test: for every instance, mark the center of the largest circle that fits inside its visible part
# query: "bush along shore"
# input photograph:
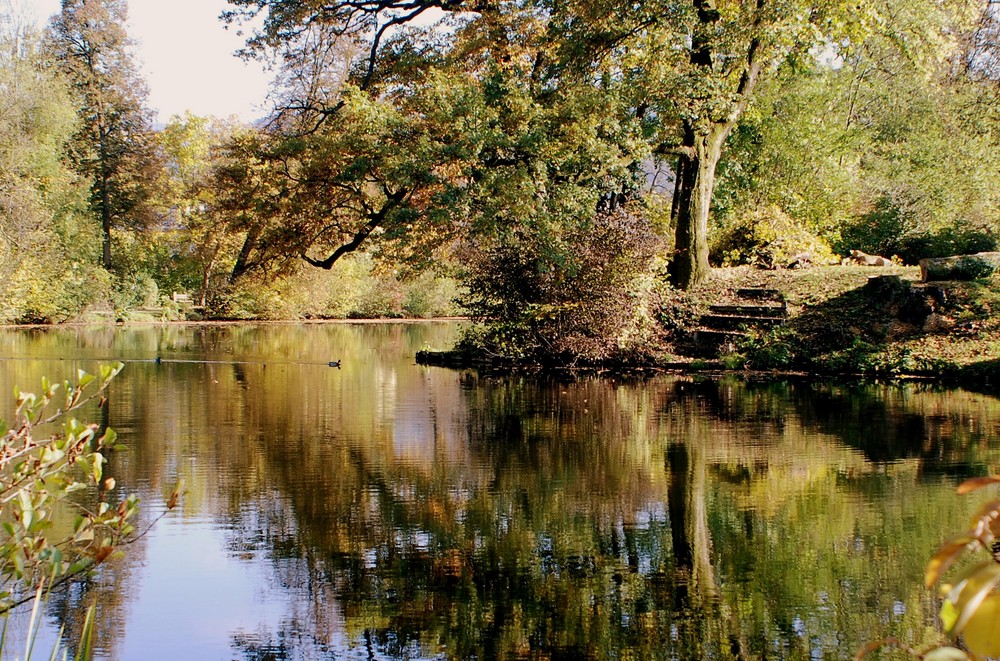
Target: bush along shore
(827, 320)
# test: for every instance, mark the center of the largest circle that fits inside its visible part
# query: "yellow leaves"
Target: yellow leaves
(972, 610)
(972, 606)
(982, 632)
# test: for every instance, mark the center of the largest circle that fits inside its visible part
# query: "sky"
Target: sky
(186, 57)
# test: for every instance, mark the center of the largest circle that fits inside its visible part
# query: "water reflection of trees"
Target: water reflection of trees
(416, 511)
(593, 519)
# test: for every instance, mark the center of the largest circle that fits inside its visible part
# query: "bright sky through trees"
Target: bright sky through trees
(186, 57)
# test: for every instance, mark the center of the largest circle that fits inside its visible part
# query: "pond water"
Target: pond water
(389, 510)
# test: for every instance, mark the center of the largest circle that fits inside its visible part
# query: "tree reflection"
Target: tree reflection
(555, 535)
(414, 512)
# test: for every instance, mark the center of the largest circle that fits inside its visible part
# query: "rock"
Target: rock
(938, 323)
(864, 259)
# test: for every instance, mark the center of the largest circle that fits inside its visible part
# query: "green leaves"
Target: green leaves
(36, 475)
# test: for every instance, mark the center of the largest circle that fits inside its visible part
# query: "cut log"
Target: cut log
(960, 267)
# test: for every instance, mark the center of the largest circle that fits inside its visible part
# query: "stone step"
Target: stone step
(735, 322)
(721, 329)
(761, 294)
(710, 342)
(749, 310)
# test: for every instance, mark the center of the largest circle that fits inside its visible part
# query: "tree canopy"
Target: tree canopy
(562, 104)
(423, 133)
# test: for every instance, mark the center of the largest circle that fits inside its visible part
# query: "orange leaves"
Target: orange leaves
(945, 557)
(977, 483)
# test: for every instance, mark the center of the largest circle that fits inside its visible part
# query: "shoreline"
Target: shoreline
(231, 322)
(449, 359)
(853, 322)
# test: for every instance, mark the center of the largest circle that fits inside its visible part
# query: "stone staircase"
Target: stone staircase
(724, 325)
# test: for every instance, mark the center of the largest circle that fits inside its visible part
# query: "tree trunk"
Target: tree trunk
(242, 264)
(206, 274)
(693, 197)
(105, 227)
(104, 181)
(961, 267)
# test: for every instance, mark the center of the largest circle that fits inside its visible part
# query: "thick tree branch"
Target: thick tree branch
(374, 222)
(377, 40)
(674, 150)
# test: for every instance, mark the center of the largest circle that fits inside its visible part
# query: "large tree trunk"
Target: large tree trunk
(693, 200)
(701, 149)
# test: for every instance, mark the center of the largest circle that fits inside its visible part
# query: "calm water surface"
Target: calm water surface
(388, 510)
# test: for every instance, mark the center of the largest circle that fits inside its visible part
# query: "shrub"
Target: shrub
(890, 229)
(250, 298)
(959, 240)
(767, 350)
(42, 290)
(583, 295)
(431, 296)
(877, 232)
(768, 238)
(355, 288)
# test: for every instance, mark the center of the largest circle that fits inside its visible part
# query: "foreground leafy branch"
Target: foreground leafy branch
(38, 474)
(971, 610)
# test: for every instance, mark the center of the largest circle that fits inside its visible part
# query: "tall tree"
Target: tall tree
(48, 244)
(708, 66)
(585, 79)
(113, 148)
(405, 137)
(856, 149)
(192, 243)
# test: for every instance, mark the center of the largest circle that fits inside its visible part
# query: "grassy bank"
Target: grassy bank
(842, 322)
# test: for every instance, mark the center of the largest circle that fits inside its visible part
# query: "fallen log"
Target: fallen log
(960, 267)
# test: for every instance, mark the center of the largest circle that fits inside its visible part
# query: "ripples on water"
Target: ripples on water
(387, 510)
